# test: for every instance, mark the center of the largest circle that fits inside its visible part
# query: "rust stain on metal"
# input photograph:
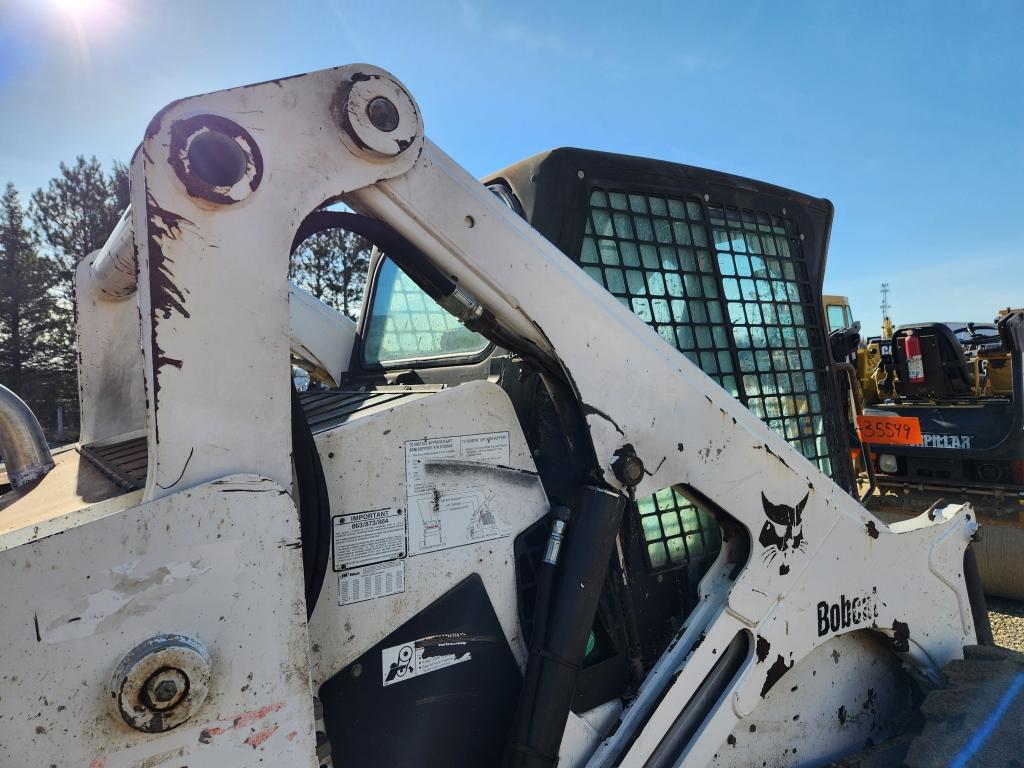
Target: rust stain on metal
(901, 636)
(768, 450)
(763, 646)
(165, 296)
(257, 714)
(243, 720)
(256, 740)
(775, 673)
(339, 108)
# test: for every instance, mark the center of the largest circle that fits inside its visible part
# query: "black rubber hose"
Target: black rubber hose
(314, 505)
(545, 579)
(555, 665)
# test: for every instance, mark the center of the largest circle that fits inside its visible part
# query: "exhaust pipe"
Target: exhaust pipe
(22, 443)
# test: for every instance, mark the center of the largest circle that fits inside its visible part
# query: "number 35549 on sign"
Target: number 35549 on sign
(890, 430)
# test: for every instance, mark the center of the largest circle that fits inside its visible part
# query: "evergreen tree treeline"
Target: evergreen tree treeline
(41, 245)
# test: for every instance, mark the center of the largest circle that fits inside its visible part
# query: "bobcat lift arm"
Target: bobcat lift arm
(168, 625)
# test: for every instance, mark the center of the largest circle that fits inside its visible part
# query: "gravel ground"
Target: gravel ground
(1007, 617)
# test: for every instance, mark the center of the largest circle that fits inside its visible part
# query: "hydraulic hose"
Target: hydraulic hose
(555, 658)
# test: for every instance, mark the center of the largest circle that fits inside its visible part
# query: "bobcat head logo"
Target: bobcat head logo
(783, 531)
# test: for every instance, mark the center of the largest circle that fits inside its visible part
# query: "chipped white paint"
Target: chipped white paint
(212, 562)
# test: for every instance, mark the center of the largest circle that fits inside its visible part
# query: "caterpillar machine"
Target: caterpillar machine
(961, 387)
(533, 515)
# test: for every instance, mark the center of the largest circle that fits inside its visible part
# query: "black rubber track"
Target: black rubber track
(975, 721)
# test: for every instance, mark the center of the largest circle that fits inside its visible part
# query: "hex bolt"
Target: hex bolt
(383, 114)
(164, 689)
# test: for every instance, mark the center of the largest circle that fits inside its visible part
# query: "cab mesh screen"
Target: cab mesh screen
(729, 289)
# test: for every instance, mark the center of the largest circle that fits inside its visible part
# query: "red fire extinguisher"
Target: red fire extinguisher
(915, 364)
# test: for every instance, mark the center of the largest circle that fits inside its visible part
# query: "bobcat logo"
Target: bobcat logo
(783, 532)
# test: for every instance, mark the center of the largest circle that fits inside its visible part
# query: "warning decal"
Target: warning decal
(420, 657)
(365, 538)
(445, 516)
(373, 581)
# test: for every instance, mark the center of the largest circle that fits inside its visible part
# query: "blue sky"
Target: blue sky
(908, 116)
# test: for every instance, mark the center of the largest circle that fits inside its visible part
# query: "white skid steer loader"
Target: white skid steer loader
(529, 514)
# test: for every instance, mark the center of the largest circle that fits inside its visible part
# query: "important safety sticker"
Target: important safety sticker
(371, 582)
(445, 510)
(365, 538)
(420, 657)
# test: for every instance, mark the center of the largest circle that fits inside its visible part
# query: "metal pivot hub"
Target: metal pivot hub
(377, 117)
(161, 683)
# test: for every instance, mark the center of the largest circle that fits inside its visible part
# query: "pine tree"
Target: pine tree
(72, 217)
(76, 213)
(332, 266)
(28, 320)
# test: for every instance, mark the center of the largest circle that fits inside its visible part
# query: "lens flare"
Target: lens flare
(78, 8)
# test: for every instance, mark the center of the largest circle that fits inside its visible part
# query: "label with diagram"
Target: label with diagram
(420, 657)
(370, 582)
(365, 538)
(444, 512)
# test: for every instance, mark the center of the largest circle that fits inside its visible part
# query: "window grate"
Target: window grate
(406, 324)
(728, 287)
(676, 531)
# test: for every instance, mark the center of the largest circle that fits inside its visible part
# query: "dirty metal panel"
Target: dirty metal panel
(326, 410)
(79, 602)
(365, 466)
(844, 694)
(113, 400)
(125, 462)
(364, 461)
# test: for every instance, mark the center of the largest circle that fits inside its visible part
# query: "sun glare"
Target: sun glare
(78, 7)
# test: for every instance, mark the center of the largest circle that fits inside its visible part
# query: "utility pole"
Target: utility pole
(886, 321)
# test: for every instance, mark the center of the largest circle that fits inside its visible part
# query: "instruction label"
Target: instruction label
(420, 657)
(371, 582)
(365, 538)
(444, 512)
